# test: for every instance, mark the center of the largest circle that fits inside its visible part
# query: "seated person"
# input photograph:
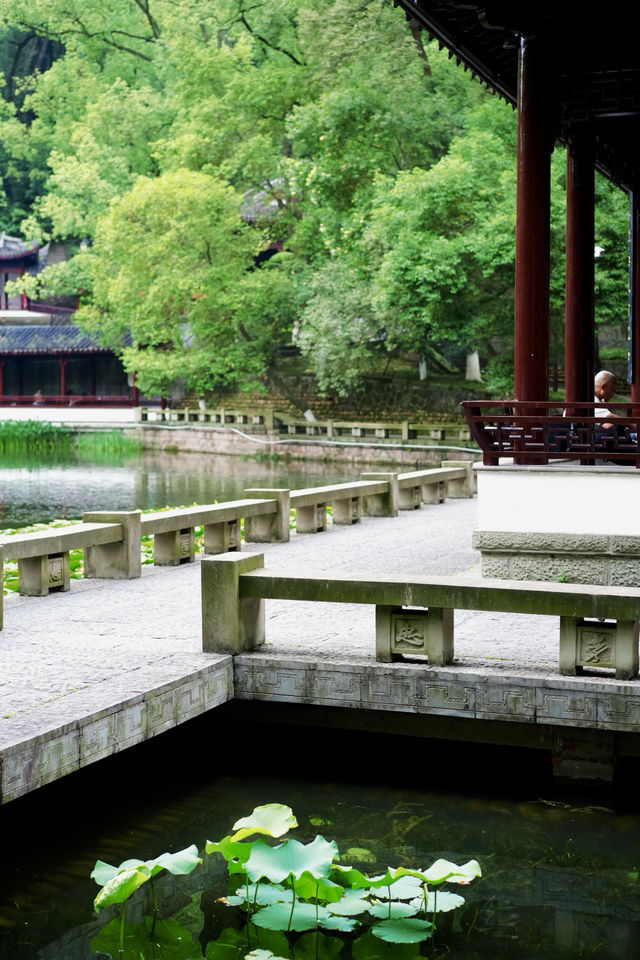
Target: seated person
(604, 387)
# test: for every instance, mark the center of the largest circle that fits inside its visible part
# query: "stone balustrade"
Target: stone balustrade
(111, 540)
(414, 615)
(269, 420)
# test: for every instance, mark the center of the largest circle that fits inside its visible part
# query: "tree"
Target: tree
(173, 285)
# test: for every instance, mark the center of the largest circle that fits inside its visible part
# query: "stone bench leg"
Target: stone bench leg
(382, 504)
(347, 511)
(230, 624)
(311, 519)
(405, 631)
(409, 498)
(592, 643)
(222, 537)
(39, 576)
(458, 489)
(173, 548)
(268, 527)
(434, 492)
(115, 561)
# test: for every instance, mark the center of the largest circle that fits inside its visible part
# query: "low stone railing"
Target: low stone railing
(414, 616)
(111, 540)
(267, 419)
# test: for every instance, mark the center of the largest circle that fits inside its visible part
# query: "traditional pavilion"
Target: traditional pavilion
(573, 75)
(44, 357)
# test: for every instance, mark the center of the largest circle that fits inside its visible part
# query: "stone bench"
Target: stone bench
(111, 545)
(454, 478)
(173, 530)
(414, 615)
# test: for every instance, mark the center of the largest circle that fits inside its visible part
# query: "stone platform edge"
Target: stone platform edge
(588, 702)
(53, 752)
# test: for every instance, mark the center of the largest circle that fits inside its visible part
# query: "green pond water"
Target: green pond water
(559, 876)
(35, 489)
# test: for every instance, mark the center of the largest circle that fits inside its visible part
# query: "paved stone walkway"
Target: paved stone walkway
(67, 655)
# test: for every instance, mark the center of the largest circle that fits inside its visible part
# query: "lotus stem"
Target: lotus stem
(122, 919)
(156, 908)
(293, 903)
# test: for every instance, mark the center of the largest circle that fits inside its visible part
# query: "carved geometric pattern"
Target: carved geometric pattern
(55, 571)
(409, 633)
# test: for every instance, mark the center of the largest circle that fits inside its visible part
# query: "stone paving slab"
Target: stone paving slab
(68, 657)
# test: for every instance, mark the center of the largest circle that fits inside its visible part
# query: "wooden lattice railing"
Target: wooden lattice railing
(535, 431)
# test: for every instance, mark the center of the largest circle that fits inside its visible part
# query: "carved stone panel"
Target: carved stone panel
(409, 633)
(596, 645)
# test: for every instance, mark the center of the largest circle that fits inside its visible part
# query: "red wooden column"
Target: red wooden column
(63, 385)
(579, 344)
(635, 295)
(531, 330)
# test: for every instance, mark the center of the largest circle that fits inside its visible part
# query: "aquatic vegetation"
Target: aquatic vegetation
(118, 883)
(34, 435)
(32, 438)
(288, 888)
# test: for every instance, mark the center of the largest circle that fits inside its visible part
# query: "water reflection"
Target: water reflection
(35, 491)
(559, 879)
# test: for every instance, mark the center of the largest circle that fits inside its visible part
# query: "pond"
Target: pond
(39, 489)
(559, 878)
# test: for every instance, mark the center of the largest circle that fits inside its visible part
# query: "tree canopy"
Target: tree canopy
(166, 143)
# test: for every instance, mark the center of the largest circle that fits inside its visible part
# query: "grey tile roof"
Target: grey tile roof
(47, 339)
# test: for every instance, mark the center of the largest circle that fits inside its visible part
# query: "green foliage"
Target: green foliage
(286, 888)
(331, 126)
(34, 435)
(172, 285)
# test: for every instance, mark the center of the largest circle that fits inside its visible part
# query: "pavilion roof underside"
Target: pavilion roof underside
(592, 60)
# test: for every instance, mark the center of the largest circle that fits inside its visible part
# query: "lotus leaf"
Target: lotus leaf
(368, 947)
(349, 876)
(439, 902)
(279, 916)
(103, 872)
(259, 954)
(311, 946)
(290, 858)
(409, 930)
(309, 887)
(120, 887)
(179, 864)
(401, 888)
(343, 924)
(443, 871)
(262, 894)
(393, 910)
(351, 904)
(235, 944)
(271, 819)
(230, 849)
(360, 855)
(170, 941)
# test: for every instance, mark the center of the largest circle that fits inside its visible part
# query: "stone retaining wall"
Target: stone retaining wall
(207, 439)
(565, 557)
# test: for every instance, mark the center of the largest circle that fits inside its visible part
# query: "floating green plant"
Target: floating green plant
(285, 889)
